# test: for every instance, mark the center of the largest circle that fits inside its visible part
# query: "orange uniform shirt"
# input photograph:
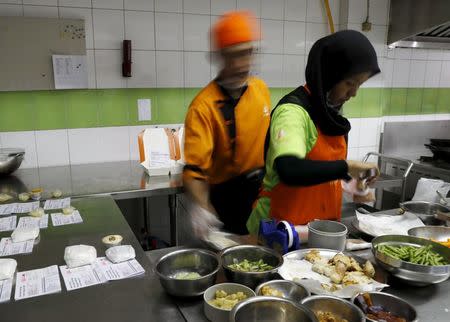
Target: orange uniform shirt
(208, 150)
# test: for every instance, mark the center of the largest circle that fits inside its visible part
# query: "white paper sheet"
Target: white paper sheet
(5, 290)
(118, 271)
(37, 282)
(28, 221)
(80, 277)
(59, 219)
(52, 204)
(8, 223)
(7, 209)
(70, 71)
(8, 248)
(23, 208)
(388, 225)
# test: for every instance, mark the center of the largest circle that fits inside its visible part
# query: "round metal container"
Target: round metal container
(393, 304)
(270, 309)
(291, 290)
(438, 233)
(410, 273)
(202, 261)
(10, 160)
(337, 306)
(327, 234)
(426, 211)
(216, 314)
(251, 253)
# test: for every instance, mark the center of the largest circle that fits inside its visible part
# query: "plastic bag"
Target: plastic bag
(426, 190)
(24, 233)
(118, 254)
(79, 255)
(7, 268)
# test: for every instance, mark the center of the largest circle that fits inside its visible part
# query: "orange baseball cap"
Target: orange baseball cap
(233, 28)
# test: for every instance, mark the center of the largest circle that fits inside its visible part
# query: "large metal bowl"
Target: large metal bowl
(204, 262)
(393, 304)
(437, 233)
(428, 212)
(10, 160)
(251, 253)
(337, 306)
(290, 290)
(270, 309)
(216, 314)
(410, 273)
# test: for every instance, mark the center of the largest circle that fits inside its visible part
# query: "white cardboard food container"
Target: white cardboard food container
(161, 150)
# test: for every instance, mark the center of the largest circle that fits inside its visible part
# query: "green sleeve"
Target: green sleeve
(292, 132)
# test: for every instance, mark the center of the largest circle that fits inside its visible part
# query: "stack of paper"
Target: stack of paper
(37, 282)
(80, 277)
(59, 219)
(8, 248)
(41, 222)
(52, 204)
(8, 223)
(118, 271)
(5, 290)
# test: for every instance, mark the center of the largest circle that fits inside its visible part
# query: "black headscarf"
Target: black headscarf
(331, 60)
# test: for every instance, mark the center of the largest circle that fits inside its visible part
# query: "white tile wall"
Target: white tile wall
(401, 73)
(143, 69)
(272, 9)
(169, 31)
(417, 73)
(108, 28)
(445, 74)
(169, 69)
(40, 11)
(195, 37)
(316, 11)
(12, 1)
(272, 69)
(169, 5)
(41, 2)
(219, 7)
(353, 135)
(293, 70)
(252, 5)
(11, 10)
(196, 69)
(272, 41)
(315, 31)
(140, 29)
(108, 4)
(369, 133)
(295, 10)
(76, 3)
(25, 140)
(294, 37)
(197, 6)
(144, 5)
(52, 148)
(92, 82)
(433, 74)
(108, 67)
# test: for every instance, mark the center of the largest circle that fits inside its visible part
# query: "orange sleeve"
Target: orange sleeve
(198, 144)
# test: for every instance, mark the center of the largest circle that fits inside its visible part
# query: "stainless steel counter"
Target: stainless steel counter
(135, 299)
(120, 180)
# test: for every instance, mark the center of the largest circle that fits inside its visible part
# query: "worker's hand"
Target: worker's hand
(369, 197)
(356, 169)
(203, 221)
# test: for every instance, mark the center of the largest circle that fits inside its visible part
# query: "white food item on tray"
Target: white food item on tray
(118, 254)
(7, 268)
(79, 255)
(24, 233)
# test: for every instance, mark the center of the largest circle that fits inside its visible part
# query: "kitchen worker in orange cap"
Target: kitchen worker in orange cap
(225, 129)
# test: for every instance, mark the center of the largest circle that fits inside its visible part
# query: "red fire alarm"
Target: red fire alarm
(126, 63)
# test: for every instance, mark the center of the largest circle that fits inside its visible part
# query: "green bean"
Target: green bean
(417, 255)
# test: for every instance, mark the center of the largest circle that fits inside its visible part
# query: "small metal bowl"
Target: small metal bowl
(414, 274)
(291, 290)
(251, 253)
(337, 306)
(10, 160)
(201, 261)
(216, 314)
(391, 303)
(428, 212)
(269, 309)
(327, 234)
(441, 234)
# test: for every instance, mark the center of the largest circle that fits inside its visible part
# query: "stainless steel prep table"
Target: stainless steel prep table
(135, 299)
(431, 302)
(120, 180)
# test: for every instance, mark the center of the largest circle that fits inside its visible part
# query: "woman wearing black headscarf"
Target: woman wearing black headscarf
(306, 145)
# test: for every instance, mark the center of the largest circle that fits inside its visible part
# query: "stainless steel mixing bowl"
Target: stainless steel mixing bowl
(428, 212)
(270, 309)
(438, 233)
(337, 306)
(290, 290)
(204, 262)
(10, 160)
(252, 253)
(413, 274)
(393, 304)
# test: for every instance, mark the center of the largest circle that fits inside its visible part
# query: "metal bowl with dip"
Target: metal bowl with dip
(251, 278)
(430, 213)
(410, 273)
(436, 233)
(187, 272)
(339, 308)
(284, 289)
(270, 309)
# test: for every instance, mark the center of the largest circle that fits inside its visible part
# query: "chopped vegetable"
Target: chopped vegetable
(250, 266)
(225, 301)
(187, 276)
(415, 255)
(269, 291)
(328, 317)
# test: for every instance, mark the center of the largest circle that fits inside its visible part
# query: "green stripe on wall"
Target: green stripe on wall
(47, 110)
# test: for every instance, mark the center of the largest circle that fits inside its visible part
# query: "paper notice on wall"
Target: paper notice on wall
(118, 271)
(52, 204)
(80, 277)
(8, 223)
(8, 248)
(41, 222)
(37, 282)
(5, 290)
(70, 71)
(61, 219)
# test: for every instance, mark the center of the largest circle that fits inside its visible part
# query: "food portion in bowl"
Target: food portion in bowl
(443, 243)
(186, 276)
(250, 266)
(341, 269)
(423, 255)
(325, 316)
(225, 301)
(376, 312)
(270, 291)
